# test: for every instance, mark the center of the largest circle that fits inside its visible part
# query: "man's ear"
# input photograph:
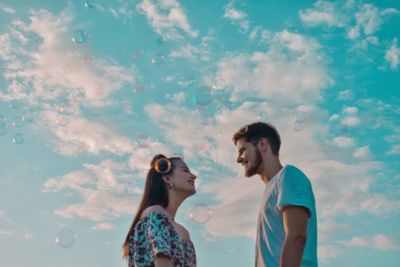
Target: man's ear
(263, 144)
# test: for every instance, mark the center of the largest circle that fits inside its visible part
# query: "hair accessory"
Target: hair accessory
(163, 165)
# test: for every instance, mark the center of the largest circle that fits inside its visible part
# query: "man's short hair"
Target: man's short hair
(255, 131)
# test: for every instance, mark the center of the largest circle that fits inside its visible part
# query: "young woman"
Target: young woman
(154, 238)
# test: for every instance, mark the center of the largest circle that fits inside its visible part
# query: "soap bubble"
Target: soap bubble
(66, 238)
(157, 58)
(90, 4)
(27, 116)
(263, 116)
(18, 139)
(219, 83)
(142, 141)
(3, 125)
(18, 122)
(300, 116)
(79, 36)
(200, 214)
(14, 104)
(202, 96)
(298, 126)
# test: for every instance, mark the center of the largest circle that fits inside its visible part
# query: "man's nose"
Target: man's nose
(239, 159)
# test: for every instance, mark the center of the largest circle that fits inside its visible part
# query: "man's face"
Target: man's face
(249, 156)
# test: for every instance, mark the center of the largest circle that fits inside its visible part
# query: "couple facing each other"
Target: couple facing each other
(286, 227)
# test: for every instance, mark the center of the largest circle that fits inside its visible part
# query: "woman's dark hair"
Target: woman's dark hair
(155, 193)
(254, 132)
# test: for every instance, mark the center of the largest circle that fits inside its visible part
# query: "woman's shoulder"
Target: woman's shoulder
(155, 209)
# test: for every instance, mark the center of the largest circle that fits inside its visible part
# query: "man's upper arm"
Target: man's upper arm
(295, 220)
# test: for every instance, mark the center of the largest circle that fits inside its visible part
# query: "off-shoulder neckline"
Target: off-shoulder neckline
(167, 217)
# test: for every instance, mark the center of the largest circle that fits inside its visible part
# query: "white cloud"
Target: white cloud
(167, 17)
(8, 10)
(394, 150)
(237, 16)
(233, 13)
(323, 13)
(350, 110)
(351, 121)
(103, 226)
(334, 117)
(75, 135)
(392, 55)
(344, 141)
(290, 71)
(362, 153)
(380, 241)
(55, 68)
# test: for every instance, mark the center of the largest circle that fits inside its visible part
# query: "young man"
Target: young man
(287, 223)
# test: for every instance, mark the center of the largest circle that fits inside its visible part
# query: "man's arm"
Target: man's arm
(295, 219)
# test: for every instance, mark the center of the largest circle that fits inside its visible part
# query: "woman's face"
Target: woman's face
(182, 178)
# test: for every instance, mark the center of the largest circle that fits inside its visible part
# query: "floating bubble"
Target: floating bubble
(298, 126)
(18, 122)
(66, 238)
(62, 120)
(90, 4)
(3, 125)
(219, 83)
(18, 139)
(157, 58)
(300, 116)
(79, 36)
(142, 141)
(14, 104)
(27, 116)
(137, 54)
(138, 89)
(202, 96)
(263, 116)
(200, 214)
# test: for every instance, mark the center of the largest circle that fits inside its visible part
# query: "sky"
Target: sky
(91, 90)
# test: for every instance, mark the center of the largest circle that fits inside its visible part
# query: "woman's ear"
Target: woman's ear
(166, 178)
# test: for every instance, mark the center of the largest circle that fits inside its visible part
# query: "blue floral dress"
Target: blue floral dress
(153, 235)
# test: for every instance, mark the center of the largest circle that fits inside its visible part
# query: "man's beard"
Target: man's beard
(255, 166)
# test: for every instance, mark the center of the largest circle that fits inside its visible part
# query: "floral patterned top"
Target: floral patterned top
(153, 235)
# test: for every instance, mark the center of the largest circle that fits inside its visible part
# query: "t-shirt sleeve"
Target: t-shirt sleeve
(159, 234)
(295, 190)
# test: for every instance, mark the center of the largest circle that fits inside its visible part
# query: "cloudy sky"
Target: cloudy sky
(91, 90)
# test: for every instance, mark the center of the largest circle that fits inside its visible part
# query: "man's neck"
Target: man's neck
(270, 169)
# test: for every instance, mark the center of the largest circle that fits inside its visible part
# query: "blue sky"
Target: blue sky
(80, 121)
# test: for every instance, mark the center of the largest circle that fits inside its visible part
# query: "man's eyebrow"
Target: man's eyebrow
(242, 149)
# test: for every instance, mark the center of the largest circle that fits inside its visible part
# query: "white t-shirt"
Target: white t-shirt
(289, 187)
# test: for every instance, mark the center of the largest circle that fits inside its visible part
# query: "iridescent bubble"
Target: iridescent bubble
(66, 238)
(3, 125)
(14, 104)
(79, 36)
(298, 126)
(18, 139)
(202, 96)
(62, 120)
(157, 58)
(137, 54)
(219, 83)
(27, 116)
(200, 214)
(90, 4)
(142, 141)
(300, 116)
(18, 122)
(263, 116)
